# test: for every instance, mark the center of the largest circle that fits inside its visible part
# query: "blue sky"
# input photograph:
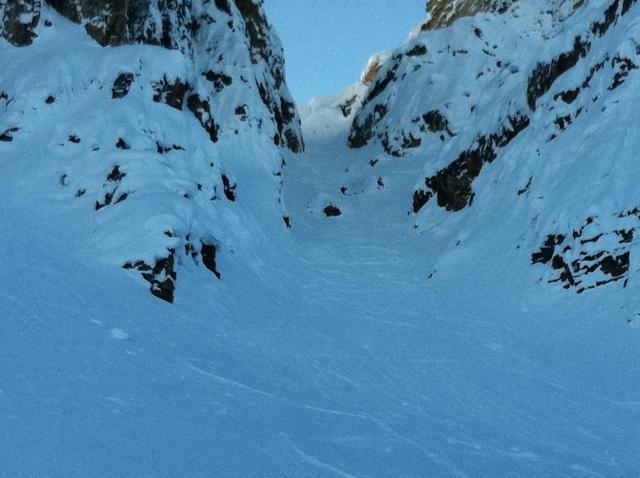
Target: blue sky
(327, 42)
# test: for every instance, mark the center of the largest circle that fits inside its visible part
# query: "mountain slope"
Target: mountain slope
(156, 148)
(524, 115)
(367, 339)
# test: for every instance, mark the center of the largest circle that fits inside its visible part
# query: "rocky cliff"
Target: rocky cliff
(158, 117)
(517, 106)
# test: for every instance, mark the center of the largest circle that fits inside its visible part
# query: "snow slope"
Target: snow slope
(346, 362)
(349, 345)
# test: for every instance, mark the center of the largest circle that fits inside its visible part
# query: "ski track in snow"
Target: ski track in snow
(227, 381)
(352, 366)
(315, 461)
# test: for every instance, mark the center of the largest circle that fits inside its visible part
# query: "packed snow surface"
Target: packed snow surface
(343, 359)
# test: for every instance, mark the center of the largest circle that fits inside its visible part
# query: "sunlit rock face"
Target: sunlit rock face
(167, 123)
(442, 13)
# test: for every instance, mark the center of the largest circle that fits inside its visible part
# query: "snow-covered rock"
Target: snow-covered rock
(170, 145)
(520, 106)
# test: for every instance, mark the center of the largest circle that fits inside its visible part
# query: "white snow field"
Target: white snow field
(336, 358)
(357, 345)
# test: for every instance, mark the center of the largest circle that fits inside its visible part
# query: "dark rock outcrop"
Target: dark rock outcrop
(171, 93)
(202, 111)
(545, 74)
(332, 211)
(229, 188)
(7, 135)
(161, 276)
(106, 21)
(19, 19)
(121, 85)
(347, 106)
(452, 185)
(208, 252)
(590, 256)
